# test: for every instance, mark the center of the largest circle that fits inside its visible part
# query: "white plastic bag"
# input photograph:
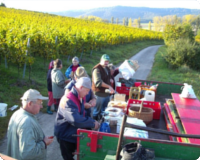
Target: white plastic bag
(128, 68)
(131, 132)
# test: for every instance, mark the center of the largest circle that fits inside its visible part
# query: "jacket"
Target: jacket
(58, 83)
(88, 97)
(68, 71)
(49, 82)
(70, 117)
(100, 75)
(25, 137)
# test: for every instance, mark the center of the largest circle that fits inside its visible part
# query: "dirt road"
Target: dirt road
(145, 59)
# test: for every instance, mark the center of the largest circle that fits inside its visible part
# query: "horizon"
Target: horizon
(68, 5)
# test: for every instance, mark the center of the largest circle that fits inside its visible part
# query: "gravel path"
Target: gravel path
(145, 60)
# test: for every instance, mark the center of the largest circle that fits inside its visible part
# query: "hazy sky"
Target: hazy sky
(64, 5)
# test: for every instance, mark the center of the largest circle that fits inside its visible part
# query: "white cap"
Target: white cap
(32, 95)
(85, 82)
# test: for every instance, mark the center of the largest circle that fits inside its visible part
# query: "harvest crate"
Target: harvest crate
(123, 89)
(154, 105)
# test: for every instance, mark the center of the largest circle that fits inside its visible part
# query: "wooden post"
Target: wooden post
(28, 45)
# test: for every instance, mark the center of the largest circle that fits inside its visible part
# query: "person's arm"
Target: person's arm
(68, 71)
(72, 116)
(98, 81)
(29, 146)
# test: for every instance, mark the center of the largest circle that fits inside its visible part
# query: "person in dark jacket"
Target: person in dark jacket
(71, 116)
(72, 68)
(49, 87)
(90, 99)
(101, 80)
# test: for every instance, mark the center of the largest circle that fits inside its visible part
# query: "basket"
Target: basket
(144, 113)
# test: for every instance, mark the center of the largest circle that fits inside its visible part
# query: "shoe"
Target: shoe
(49, 110)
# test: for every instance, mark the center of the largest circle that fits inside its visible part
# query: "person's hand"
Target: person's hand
(97, 125)
(111, 81)
(67, 81)
(112, 91)
(48, 140)
(87, 105)
(93, 102)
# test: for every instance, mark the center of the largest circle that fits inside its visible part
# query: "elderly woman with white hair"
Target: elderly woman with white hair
(72, 68)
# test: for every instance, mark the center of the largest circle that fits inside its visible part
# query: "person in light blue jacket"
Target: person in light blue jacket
(26, 140)
(72, 68)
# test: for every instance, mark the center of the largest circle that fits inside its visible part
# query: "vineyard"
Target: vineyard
(25, 34)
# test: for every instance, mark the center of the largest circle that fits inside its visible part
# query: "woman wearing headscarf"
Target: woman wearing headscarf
(72, 68)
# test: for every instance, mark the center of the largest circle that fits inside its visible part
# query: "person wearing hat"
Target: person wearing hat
(90, 99)
(101, 80)
(71, 116)
(26, 140)
(72, 68)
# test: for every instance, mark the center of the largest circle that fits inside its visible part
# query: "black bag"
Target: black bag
(135, 151)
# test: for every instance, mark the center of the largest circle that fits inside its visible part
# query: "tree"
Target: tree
(124, 22)
(158, 21)
(149, 25)
(172, 33)
(135, 23)
(2, 5)
(117, 20)
(130, 22)
(127, 21)
(139, 25)
(112, 20)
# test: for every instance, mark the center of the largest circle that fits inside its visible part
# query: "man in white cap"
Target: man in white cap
(26, 140)
(71, 116)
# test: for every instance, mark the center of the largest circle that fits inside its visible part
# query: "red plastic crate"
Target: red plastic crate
(154, 105)
(123, 89)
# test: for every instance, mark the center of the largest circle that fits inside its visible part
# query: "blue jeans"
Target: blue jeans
(101, 104)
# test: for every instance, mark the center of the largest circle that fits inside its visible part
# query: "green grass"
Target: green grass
(12, 85)
(162, 72)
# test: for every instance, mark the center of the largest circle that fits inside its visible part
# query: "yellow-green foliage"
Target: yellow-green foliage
(74, 35)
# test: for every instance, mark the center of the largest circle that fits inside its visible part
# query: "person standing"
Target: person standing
(49, 87)
(72, 68)
(101, 80)
(26, 139)
(58, 82)
(71, 116)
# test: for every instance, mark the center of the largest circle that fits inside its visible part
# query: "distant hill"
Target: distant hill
(146, 14)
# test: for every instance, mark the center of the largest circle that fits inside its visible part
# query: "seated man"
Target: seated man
(71, 116)
(26, 139)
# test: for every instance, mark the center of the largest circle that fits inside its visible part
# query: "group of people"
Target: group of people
(79, 102)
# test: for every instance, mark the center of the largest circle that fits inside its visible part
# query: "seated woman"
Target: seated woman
(90, 99)
(72, 68)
